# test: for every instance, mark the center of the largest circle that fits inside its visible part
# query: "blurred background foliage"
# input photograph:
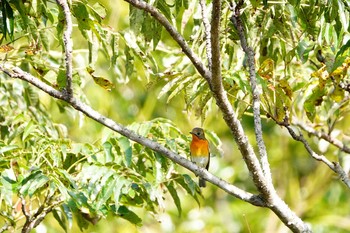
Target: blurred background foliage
(127, 67)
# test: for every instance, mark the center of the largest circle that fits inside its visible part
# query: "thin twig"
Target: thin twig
(256, 200)
(236, 20)
(324, 136)
(24, 210)
(334, 166)
(68, 45)
(174, 34)
(206, 25)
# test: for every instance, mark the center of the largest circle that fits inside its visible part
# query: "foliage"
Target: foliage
(86, 180)
(303, 56)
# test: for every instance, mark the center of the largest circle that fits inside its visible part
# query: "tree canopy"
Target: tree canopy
(98, 98)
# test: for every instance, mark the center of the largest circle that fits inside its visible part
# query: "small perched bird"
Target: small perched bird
(199, 149)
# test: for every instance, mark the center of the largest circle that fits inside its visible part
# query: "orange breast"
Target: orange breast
(199, 147)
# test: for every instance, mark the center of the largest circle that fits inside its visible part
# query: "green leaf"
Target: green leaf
(44, 40)
(163, 6)
(106, 192)
(32, 183)
(343, 14)
(303, 50)
(118, 188)
(7, 19)
(127, 214)
(215, 144)
(107, 146)
(313, 100)
(81, 13)
(126, 148)
(28, 130)
(4, 149)
(188, 184)
(58, 215)
(136, 17)
(175, 197)
(100, 10)
(8, 186)
(61, 79)
(129, 66)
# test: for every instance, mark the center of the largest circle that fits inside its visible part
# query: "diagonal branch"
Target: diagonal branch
(206, 25)
(324, 136)
(174, 34)
(256, 200)
(68, 45)
(335, 166)
(237, 22)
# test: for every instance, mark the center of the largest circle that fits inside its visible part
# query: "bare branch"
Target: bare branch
(256, 200)
(256, 92)
(174, 34)
(324, 136)
(275, 203)
(332, 165)
(206, 25)
(24, 210)
(222, 101)
(68, 45)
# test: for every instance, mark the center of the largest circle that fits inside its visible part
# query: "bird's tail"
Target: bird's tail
(202, 183)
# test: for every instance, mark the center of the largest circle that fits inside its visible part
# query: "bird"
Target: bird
(199, 151)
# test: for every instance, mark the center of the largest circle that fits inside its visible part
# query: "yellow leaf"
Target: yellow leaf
(283, 83)
(90, 70)
(104, 83)
(266, 69)
(31, 51)
(5, 48)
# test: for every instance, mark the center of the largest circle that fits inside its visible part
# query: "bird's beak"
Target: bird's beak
(191, 133)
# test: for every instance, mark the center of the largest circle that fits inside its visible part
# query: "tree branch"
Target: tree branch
(236, 20)
(216, 80)
(332, 165)
(174, 34)
(324, 136)
(68, 45)
(256, 200)
(206, 25)
(275, 203)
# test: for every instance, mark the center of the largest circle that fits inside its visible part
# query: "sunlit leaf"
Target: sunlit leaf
(108, 151)
(125, 146)
(106, 192)
(104, 83)
(4, 149)
(266, 69)
(6, 48)
(283, 83)
(28, 130)
(100, 10)
(32, 183)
